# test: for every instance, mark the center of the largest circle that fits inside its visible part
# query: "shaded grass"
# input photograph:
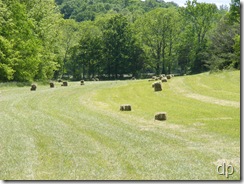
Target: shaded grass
(78, 132)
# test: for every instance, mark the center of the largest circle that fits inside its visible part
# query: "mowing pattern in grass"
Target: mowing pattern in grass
(78, 132)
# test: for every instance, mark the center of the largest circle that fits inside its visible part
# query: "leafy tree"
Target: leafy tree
(225, 46)
(85, 58)
(119, 45)
(235, 9)
(201, 17)
(158, 31)
(6, 47)
(68, 38)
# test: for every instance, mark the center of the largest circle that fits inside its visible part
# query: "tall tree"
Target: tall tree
(117, 40)
(6, 47)
(158, 32)
(69, 38)
(201, 16)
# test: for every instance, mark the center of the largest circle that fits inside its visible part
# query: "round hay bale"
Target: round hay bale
(65, 83)
(161, 116)
(168, 76)
(157, 86)
(164, 79)
(82, 82)
(33, 87)
(154, 77)
(125, 107)
(60, 80)
(51, 85)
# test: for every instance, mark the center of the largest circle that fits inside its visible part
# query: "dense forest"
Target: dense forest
(81, 39)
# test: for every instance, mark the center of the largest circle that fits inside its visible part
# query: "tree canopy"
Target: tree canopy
(43, 40)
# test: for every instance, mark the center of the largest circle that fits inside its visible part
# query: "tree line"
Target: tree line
(46, 39)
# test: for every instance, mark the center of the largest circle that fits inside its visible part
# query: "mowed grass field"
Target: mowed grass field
(78, 133)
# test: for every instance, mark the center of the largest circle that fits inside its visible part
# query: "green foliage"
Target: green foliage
(87, 57)
(225, 46)
(27, 34)
(158, 31)
(235, 9)
(122, 37)
(201, 17)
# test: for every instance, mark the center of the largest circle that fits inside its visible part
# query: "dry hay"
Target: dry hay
(125, 107)
(82, 82)
(157, 86)
(33, 87)
(51, 85)
(155, 78)
(168, 76)
(60, 80)
(164, 79)
(161, 76)
(161, 116)
(65, 84)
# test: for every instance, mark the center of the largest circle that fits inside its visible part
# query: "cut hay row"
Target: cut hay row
(78, 133)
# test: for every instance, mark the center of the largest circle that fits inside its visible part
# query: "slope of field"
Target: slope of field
(78, 133)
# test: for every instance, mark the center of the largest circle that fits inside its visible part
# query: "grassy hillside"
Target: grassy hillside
(78, 132)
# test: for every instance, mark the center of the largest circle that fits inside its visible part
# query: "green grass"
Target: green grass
(78, 132)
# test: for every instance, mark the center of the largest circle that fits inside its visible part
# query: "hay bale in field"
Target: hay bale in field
(164, 79)
(168, 76)
(161, 76)
(60, 80)
(125, 107)
(157, 86)
(65, 84)
(51, 85)
(33, 87)
(82, 82)
(161, 116)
